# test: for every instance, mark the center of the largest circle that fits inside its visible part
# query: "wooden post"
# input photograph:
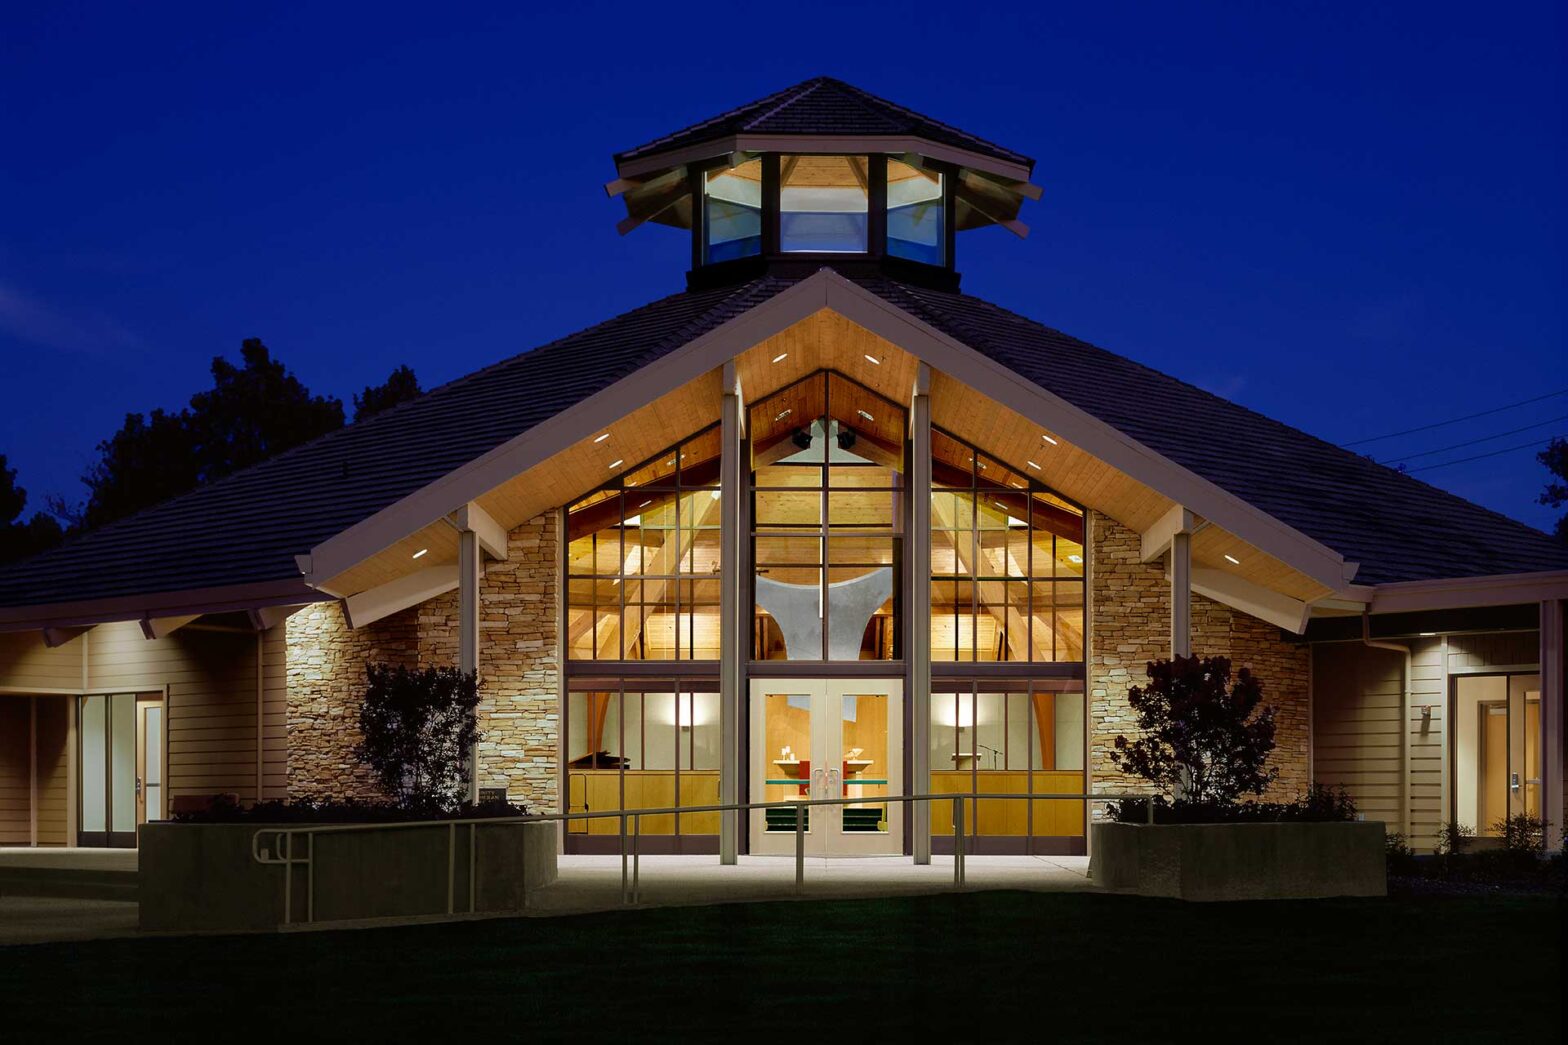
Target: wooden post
(917, 610)
(1552, 685)
(1181, 594)
(734, 614)
(468, 573)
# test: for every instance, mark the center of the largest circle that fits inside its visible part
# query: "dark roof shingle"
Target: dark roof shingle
(824, 106)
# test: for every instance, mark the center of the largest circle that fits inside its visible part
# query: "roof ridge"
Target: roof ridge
(794, 98)
(923, 118)
(734, 113)
(1349, 456)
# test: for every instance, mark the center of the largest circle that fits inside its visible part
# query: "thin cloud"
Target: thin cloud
(28, 319)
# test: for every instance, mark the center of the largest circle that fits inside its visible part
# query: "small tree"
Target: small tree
(1204, 739)
(416, 728)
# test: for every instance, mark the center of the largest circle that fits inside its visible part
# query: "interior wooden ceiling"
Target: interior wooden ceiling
(827, 340)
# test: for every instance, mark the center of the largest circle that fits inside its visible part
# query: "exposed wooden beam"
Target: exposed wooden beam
(265, 618)
(990, 208)
(1157, 538)
(1251, 599)
(857, 167)
(159, 627)
(369, 606)
(646, 206)
(57, 637)
(491, 534)
(788, 168)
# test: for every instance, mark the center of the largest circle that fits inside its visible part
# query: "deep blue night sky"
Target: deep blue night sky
(1350, 219)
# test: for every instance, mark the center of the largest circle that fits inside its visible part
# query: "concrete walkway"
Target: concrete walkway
(593, 883)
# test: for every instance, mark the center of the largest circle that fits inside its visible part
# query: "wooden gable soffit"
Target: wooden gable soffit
(892, 144)
(827, 290)
(367, 607)
(160, 627)
(1157, 538)
(265, 618)
(1464, 592)
(491, 534)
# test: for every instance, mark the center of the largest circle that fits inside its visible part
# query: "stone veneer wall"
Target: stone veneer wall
(1131, 626)
(519, 667)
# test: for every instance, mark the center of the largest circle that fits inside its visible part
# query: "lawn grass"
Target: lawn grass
(986, 967)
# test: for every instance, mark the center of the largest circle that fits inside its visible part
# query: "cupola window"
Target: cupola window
(824, 203)
(916, 213)
(732, 212)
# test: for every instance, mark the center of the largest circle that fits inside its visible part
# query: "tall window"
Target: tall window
(828, 476)
(823, 204)
(916, 213)
(643, 560)
(1006, 562)
(732, 212)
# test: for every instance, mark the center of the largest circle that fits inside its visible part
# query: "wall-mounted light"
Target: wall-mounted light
(616, 463)
(781, 357)
(873, 360)
(1048, 439)
(867, 416)
(601, 438)
(1232, 559)
(420, 553)
(1031, 464)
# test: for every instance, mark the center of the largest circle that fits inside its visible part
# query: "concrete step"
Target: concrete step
(69, 883)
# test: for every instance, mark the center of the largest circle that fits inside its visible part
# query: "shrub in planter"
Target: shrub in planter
(1319, 805)
(1204, 739)
(353, 811)
(417, 726)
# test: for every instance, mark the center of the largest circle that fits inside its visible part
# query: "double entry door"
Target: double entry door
(828, 738)
(121, 755)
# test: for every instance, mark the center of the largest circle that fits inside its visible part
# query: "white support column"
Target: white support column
(1552, 710)
(468, 574)
(1181, 594)
(917, 610)
(734, 615)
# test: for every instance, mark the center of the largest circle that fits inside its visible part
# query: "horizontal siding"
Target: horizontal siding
(26, 663)
(15, 790)
(1356, 727)
(1428, 739)
(211, 716)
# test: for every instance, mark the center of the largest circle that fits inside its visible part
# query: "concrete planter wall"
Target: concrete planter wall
(1239, 861)
(202, 876)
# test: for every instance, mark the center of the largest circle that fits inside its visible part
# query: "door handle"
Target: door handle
(1513, 781)
(817, 786)
(835, 789)
(139, 787)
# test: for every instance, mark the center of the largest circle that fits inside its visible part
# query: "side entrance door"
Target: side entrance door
(828, 738)
(121, 749)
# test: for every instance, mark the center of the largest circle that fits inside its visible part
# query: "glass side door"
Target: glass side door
(107, 731)
(1497, 750)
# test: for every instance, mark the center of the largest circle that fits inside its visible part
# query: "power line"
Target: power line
(1472, 442)
(1456, 420)
(1477, 457)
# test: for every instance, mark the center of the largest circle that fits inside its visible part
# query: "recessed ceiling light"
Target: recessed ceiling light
(780, 357)
(617, 463)
(601, 438)
(1075, 558)
(1232, 559)
(872, 359)
(715, 495)
(1048, 439)
(867, 416)
(782, 414)
(1031, 464)
(420, 552)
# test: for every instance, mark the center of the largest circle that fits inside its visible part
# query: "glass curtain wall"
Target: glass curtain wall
(643, 744)
(1006, 562)
(643, 560)
(1007, 737)
(827, 483)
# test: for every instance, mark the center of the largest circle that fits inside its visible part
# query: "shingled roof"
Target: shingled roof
(824, 107)
(248, 527)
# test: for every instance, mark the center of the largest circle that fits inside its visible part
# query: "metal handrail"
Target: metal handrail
(282, 853)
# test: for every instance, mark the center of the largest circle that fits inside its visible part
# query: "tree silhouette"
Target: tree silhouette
(1555, 458)
(399, 387)
(20, 539)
